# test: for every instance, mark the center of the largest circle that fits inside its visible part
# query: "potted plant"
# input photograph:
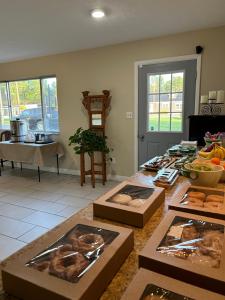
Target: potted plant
(88, 141)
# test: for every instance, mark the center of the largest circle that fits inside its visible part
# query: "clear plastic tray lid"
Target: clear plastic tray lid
(154, 292)
(195, 241)
(74, 253)
(131, 195)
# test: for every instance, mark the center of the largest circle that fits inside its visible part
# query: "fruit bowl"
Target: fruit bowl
(205, 174)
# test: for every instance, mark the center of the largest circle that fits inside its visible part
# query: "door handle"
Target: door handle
(141, 137)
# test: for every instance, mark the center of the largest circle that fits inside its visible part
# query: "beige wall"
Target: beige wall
(112, 68)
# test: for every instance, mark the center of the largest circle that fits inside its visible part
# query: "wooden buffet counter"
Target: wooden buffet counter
(123, 278)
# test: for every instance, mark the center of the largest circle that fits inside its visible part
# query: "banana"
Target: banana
(223, 150)
(203, 154)
(212, 153)
(217, 151)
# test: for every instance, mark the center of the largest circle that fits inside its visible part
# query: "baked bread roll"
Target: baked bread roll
(121, 198)
(136, 202)
(215, 198)
(198, 195)
(194, 202)
(213, 204)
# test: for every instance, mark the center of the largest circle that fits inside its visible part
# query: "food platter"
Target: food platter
(77, 260)
(129, 203)
(158, 162)
(190, 248)
(147, 285)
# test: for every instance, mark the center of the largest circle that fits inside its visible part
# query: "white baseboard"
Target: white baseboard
(66, 171)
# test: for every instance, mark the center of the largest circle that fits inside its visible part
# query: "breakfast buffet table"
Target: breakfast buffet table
(30, 153)
(129, 268)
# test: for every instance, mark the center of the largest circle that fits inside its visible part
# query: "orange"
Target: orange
(215, 161)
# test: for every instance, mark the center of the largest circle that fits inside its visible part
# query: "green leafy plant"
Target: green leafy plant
(88, 141)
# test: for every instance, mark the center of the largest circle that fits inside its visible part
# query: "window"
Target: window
(165, 101)
(32, 100)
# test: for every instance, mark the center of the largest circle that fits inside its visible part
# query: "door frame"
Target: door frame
(137, 64)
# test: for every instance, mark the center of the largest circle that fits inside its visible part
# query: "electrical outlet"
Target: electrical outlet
(113, 160)
(129, 115)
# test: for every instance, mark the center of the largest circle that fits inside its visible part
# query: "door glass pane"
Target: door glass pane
(165, 83)
(50, 104)
(4, 111)
(164, 122)
(26, 102)
(177, 102)
(176, 122)
(165, 100)
(177, 82)
(164, 103)
(153, 105)
(153, 84)
(153, 122)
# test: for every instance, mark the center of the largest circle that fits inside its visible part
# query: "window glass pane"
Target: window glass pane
(4, 110)
(153, 105)
(164, 122)
(176, 122)
(49, 94)
(96, 120)
(165, 83)
(153, 122)
(164, 103)
(26, 102)
(153, 84)
(177, 82)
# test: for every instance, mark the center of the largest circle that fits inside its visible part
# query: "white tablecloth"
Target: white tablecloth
(29, 153)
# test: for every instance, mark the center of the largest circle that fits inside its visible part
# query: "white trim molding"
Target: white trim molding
(137, 64)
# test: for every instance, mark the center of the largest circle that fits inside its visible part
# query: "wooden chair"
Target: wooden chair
(5, 136)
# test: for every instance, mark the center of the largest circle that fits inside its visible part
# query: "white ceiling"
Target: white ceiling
(30, 28)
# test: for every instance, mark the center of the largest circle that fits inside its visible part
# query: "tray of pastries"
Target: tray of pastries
(130, 203)
(75, 260)
(158, 162)
(188, 247)
(201, 200)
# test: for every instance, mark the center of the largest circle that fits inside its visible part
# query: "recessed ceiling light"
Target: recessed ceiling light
(97, 13)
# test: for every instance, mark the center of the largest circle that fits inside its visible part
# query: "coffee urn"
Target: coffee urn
(18, 130)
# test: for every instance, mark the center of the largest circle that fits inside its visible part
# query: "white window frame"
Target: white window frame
(7, 82)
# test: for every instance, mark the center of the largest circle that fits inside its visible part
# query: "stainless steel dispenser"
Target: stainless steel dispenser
(18, 130)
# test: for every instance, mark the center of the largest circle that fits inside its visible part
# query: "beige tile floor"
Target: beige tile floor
(28, 208)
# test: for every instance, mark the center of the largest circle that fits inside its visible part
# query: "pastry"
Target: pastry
(205, 260)
(194, 202)
(68, 265)
(42, 266)
(87, 242)
(189, 233)
(198, 195)
(121, 198)
(214, 198)
(136, 202)
(214, 205)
